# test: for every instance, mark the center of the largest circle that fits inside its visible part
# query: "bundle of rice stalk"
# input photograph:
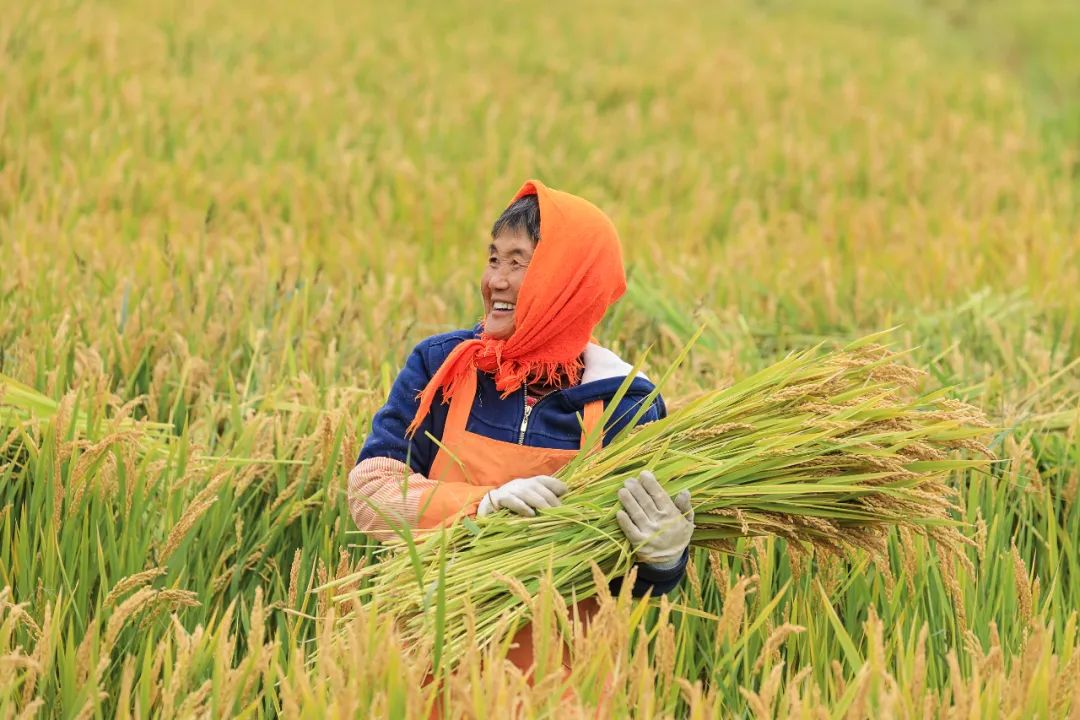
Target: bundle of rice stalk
(828, 449)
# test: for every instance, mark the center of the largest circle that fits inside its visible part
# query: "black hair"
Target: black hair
(523, 214)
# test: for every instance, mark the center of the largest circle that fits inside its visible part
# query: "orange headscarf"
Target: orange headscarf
(575, 274)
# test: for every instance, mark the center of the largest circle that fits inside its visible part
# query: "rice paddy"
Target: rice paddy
(224, 226)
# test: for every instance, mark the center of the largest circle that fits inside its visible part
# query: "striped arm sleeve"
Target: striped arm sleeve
(385, 493)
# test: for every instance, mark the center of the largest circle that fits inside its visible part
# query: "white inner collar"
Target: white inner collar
(601, 364)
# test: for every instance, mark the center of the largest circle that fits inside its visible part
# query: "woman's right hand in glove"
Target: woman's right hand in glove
(523, 496)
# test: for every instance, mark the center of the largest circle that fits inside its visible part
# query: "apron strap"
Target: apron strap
(594, 410)
(456, 418)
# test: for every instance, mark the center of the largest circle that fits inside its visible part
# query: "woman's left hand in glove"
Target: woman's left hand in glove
(657, 527)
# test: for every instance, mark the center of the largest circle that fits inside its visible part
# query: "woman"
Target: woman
(512, 400)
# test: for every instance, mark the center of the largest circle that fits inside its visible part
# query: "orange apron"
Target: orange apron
(479, 460)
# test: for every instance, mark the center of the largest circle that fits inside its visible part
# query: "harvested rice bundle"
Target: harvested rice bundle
(830, 450)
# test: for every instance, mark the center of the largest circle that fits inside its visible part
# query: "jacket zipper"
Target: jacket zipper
(525, 417)
(529, 410)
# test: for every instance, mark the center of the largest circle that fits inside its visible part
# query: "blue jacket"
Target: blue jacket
(553, 422)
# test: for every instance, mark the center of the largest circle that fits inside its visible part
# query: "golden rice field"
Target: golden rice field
(223, 226)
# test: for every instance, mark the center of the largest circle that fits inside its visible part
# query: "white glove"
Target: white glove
(658, 528)
(523, 496)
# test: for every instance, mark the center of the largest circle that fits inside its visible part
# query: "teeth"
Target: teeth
(502, 306)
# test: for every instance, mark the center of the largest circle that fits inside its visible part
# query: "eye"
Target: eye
(493, 261)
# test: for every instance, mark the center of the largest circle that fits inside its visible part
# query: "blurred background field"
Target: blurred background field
(224, 225)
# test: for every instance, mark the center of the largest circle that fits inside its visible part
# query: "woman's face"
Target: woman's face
(508, 259)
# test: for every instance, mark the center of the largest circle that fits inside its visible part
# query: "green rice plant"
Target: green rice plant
(21, 404)
(235, 219)
(830, 451)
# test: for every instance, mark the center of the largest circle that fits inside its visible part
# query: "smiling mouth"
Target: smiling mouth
(502, 307)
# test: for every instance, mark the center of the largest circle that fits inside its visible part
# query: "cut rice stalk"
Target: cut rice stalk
(829, 450)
